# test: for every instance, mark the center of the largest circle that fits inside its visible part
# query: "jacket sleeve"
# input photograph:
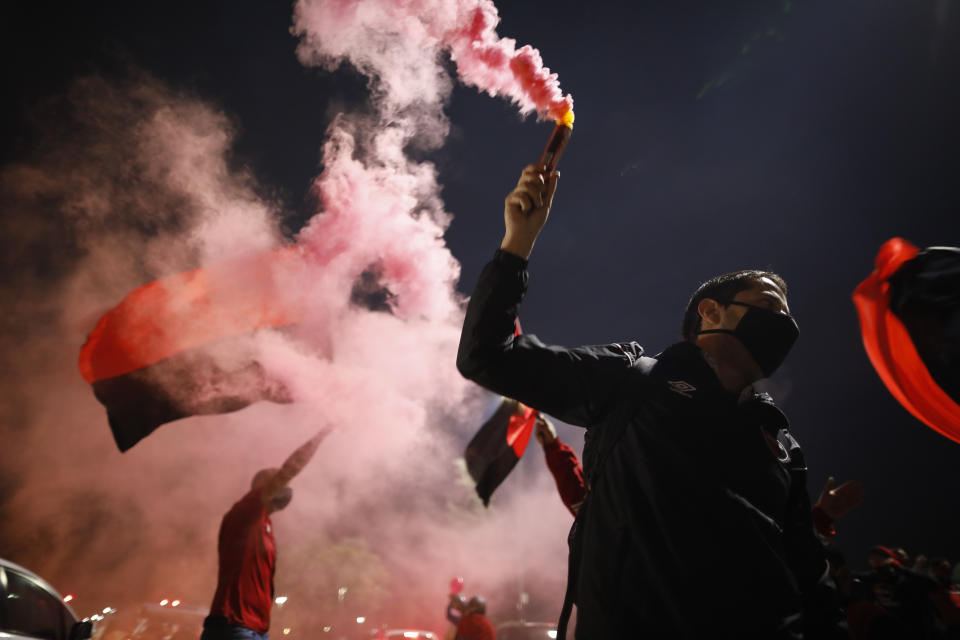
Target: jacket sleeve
(822, 615)
(574, 385)
(567, 472)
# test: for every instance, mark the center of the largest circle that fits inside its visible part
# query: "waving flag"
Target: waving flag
(909, 311)
(499, 444)
(175, 347)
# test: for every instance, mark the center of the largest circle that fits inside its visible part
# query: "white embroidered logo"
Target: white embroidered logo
(682, 387)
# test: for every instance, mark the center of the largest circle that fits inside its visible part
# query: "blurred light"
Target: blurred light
(68, 597)
(164, 602)
(87, 619)
(326, 629)
(286, 631)
(551, 633)
(341, 593)
(175, 603)
(411, 634)
(361, 619)
(281, 600)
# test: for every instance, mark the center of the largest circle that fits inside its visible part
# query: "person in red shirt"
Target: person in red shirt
(472, 624)
(247, 553)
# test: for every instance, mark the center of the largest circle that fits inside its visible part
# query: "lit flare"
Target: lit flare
(558, 142)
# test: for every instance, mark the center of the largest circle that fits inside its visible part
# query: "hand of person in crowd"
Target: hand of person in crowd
(544, 430)
(526, 208)
(839, 501)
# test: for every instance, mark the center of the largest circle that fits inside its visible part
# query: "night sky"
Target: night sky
(710, 136)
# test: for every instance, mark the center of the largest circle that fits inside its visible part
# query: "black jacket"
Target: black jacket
(696, 523)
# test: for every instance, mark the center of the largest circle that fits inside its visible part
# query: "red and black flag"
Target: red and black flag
(499, 444)
(177, 347)
(909, 311)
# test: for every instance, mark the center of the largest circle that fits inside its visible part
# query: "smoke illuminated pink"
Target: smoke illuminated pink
(332, 30)
(136, 176)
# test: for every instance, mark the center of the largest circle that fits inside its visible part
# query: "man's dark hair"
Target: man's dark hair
(723, 289)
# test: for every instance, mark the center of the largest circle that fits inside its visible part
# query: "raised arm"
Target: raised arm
(574, 385)
(526, 209)
(563, 464)
(292, 466)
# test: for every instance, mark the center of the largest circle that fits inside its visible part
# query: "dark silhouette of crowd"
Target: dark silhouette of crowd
(899, 596)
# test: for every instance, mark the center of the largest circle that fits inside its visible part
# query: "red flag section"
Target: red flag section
(499, 444)
(188, 310)
(891, 349)
(170, 349)
(521, 428)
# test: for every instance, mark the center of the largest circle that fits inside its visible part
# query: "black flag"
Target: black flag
(499, 444)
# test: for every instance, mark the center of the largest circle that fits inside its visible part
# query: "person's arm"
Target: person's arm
(822, 615)
(292, 466)
(574, 385)
(563, 464)
(455, 609)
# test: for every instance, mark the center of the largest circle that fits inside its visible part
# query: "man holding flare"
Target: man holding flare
(692, 475)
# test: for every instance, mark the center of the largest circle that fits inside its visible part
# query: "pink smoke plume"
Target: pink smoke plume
(332, 30)
(142, 189)
(138, 183)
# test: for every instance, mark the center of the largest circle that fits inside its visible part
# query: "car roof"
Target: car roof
(40, 582)
(527, 625)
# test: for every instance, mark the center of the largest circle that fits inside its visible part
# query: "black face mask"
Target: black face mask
(766, 335)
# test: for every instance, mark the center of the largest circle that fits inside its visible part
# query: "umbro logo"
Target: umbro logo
(682, 387)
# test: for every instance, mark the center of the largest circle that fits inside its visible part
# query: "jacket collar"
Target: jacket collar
(687, 362)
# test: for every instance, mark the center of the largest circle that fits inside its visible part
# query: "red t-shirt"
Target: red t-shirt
(475, 626)
(247, 560)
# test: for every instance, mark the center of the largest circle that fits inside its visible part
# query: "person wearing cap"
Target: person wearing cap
(690, 470)
(247, 552)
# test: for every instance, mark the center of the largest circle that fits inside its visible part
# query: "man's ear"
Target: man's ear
(710, 313)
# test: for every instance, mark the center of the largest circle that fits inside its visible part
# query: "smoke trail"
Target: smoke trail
(399, 46)
(368, 181)
(138, 182)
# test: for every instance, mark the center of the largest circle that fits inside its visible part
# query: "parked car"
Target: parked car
(154, 621)
(403, 634)
(30, 609)
(517, 630)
